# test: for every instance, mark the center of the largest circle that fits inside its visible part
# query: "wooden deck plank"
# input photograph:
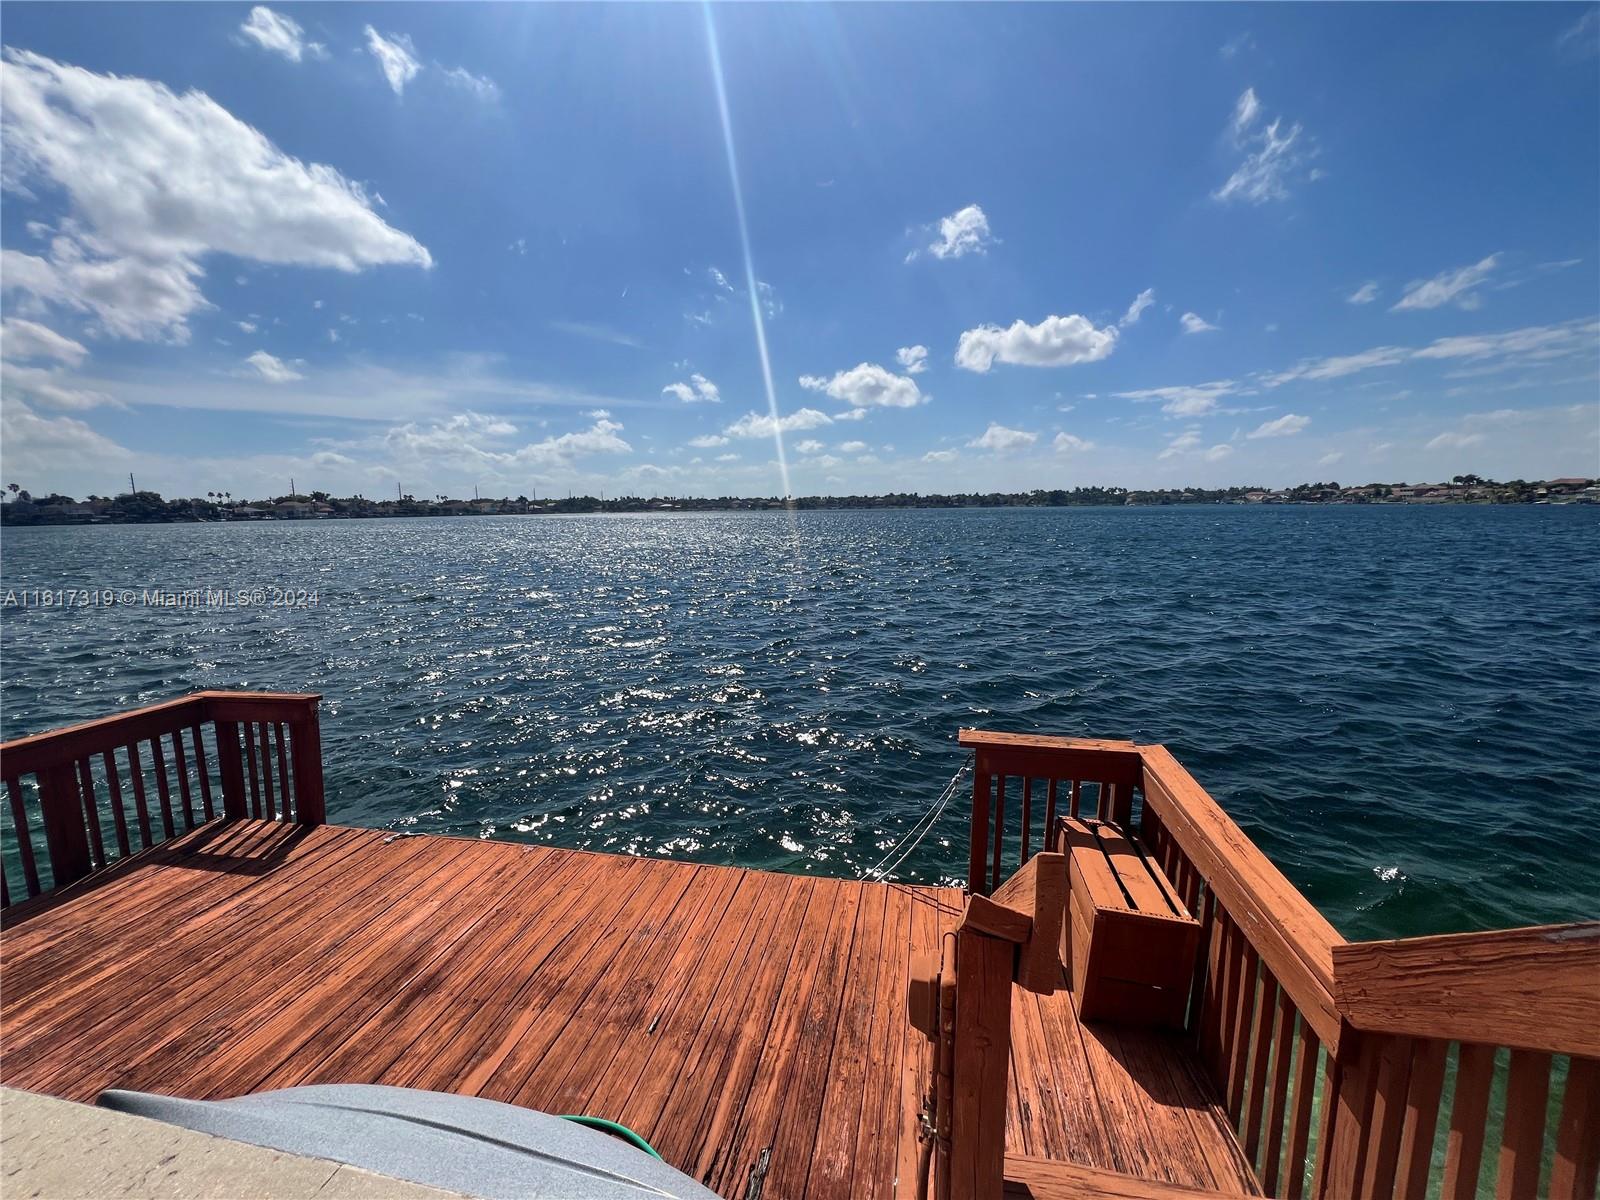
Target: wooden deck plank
(718, 1011)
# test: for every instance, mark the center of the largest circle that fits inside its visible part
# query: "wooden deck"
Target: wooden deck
(730, 1016)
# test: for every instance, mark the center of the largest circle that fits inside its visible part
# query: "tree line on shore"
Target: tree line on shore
(146, 507)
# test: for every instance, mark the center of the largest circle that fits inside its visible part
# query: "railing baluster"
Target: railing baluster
(1576, 1170)
(283, 770)
(254, 768)
(141, 806)
(995, 877)
(1283, 1047)
(91, 812)
(1468, 1111)
(1255, 1097)
(158, 761)
(1240, 1013)
(264, 737)
(66, 841)
(202, 770)
(1027, 817)
(182, 761)
(1422, 1118)
(1077, 790)
(119, 819)
(1521, 1147)
(1305, 1094)
(19, 823)
(1050, 815)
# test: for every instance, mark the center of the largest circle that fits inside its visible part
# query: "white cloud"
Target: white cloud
(481, 86)
(1454, 441)
(707, 441)
(1135, 310)
(272, 368)
(1245, 112)
(51, 387)
(1535, 343)
(1330, 458)
(1456, 287)
(913, 358)
(867, 386)
(1194, 323)
(940, 456)
(1186, 441)
(809, 446)
(476, 440)
(157, 181)
(1284, 426)
(39, 440)
(724, 458)
(246, 326)
(719, 279)
(1193, 400)
(331, 458)
(396, 56)
(1365, 294)
(963, 232)
(1218, 452)
(771, 305)
(22, 340)
(1338, 366)
(699, 389)
(279, 34)
(1273, 155)
(997, 439)
(852, 447)
(333, 334)
(1053, 342)
(757, 425)
(1067, 443)
(1580, 36)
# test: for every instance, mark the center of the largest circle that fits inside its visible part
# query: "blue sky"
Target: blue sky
(449, 246)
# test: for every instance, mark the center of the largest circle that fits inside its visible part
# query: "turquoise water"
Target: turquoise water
(1402, 705)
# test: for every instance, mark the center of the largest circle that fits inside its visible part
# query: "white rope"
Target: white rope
(923, 825)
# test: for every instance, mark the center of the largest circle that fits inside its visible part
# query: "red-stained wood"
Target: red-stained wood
(1468, 1110)
(1077, 797)
(1027, 815)
(998, 847)
(91, 811)
(1307, 1051)
(1386, 1121)
(201, 770)
(19, 826)
(1530, 989)
(66, 842)
(1033, 1178)
(280, 736)
(1415, 1160)
(1575, 1170)
(1050, 814)
(253, 770)
(230, 768)
(1239, 1044)
(181, 762)
(981, 1068)
(1283, 1048)
(1522, 1144)
(978, 835)
(119, 819)
(1255, 1098)
(1039, 890)
(270, 807)
(141, 803)
(158, 763)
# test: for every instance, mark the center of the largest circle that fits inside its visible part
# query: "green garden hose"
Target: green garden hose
(615, 1130)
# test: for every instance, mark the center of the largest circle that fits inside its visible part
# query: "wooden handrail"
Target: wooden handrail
(74, 785)
(1536, 988)
(1286, 930)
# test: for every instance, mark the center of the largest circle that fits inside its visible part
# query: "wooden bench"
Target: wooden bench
(1128, 940)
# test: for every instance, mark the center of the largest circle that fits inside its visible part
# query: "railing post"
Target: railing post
(231, 765)
(982, 1066)
(310, 806)
(978, 834)
(65, 836)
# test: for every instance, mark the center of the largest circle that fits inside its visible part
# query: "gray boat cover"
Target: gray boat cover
(462, 1144)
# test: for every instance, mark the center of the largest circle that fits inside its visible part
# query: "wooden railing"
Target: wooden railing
(79, 798)
(1335, 1083)
(1051, 776)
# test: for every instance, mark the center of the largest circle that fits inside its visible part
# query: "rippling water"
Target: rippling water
(1401, 705)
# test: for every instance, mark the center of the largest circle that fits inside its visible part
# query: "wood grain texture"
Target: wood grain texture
(1531, 989)
(1032, 1178)
(720, 1012)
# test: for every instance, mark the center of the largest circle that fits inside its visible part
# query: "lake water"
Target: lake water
(1401, 705)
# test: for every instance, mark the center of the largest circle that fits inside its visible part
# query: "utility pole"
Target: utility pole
(132, 491)
(397, 494)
